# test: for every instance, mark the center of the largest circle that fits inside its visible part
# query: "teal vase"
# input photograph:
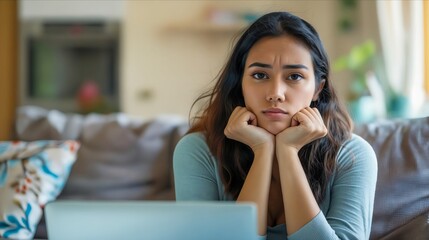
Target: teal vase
(398, 106)
(362, 109)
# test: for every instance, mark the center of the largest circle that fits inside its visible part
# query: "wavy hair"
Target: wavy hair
(235, 158)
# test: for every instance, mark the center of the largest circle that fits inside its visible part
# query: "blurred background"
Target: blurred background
(151, 58)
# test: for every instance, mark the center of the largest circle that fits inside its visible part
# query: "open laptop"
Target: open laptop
(152, 220)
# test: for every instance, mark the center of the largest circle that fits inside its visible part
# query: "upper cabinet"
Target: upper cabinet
(47, 9)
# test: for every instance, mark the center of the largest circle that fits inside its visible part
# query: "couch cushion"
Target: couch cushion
(120, 161)
(120, 157)
(31, 174)
(402, 149)
(416, 229)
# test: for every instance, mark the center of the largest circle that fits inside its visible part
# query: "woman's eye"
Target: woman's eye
(295, 77)
(260, 76)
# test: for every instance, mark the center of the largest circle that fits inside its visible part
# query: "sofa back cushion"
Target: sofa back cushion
(119, 158)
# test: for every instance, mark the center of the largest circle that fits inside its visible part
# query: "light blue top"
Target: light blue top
(346, 211)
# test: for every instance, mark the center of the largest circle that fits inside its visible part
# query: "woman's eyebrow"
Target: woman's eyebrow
(288, 66)
(294, 66)
(262, 65)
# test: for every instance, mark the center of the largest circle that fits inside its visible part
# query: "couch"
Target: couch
(122, 158)
(401, 208)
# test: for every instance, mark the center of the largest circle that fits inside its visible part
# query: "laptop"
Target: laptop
(152, 220)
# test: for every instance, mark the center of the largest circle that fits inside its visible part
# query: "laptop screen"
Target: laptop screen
(150, 220)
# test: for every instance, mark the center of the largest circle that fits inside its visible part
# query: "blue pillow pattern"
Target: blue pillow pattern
(31, 175)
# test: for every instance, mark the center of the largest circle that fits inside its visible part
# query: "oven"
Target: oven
(60, 58)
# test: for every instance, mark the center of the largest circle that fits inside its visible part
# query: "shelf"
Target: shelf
(207, 27)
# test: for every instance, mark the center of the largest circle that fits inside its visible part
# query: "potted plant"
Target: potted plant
(360, 61)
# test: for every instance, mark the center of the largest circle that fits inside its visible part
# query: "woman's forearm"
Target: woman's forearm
(299, 203)
(257, 184)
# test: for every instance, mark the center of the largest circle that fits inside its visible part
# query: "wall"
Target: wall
(163, 71)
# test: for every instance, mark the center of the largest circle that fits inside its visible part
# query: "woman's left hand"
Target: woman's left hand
(306, 126)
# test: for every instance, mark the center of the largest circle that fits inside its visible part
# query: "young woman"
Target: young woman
(274, 133)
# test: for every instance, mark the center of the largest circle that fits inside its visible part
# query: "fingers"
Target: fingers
(240, 118)
(312, 120)
(242, 126)
(312, 114)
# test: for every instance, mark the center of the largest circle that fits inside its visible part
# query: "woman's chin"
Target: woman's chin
(275, 129)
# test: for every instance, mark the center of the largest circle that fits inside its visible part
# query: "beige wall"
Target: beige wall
(163, 71)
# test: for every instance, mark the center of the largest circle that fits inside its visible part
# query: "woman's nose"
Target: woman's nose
(276, 92)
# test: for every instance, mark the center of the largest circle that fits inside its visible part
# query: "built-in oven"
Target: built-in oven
(59, 59)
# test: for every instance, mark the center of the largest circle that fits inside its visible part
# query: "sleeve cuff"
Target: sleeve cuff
(317, 228)
(262, 237)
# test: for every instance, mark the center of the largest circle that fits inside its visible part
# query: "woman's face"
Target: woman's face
(278, 81)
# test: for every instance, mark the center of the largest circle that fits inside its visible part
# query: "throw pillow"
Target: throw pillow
(31, 175)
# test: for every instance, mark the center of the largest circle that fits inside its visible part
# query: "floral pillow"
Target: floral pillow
(31, 175)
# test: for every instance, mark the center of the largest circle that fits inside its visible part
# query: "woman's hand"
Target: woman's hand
(242, 127)
(306, 126)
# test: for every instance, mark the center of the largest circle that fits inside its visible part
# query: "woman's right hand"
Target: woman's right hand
(242, 126)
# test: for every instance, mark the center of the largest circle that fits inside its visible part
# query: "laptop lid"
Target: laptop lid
(152, 220)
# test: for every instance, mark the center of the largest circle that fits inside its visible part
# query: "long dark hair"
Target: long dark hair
(234, 158)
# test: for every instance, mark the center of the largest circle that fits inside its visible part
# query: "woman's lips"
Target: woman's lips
(275, 113)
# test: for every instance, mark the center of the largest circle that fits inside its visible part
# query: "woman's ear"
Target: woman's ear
(319, 90)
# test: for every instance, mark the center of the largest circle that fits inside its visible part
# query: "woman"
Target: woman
(274, 133)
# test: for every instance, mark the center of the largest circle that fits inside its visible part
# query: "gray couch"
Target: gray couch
(120, 158)
(127, 159)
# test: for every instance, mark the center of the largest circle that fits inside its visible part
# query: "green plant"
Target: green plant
(348, 14)
(358, 61)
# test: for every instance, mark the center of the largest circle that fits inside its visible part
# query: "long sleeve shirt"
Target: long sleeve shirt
(346, 211)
